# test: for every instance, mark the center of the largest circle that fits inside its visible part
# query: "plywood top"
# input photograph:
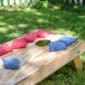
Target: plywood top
(33, 58)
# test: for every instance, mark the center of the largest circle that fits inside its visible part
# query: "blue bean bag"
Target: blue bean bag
(11, 63)
(62, 43)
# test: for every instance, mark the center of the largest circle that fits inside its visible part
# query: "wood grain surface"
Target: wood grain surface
(37, 63)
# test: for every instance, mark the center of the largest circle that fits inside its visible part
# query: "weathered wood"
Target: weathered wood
(77, 63)
(37, 62)
(57, 63)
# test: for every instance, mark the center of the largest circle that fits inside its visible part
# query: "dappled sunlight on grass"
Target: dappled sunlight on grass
(56, 7)
(71, 21)
(1, 17)
(82, 17)
(59, 21)
(38, 13)
(4, 30)
(42, 21)
(2, 24)
(83, 57)
(22, 25)
(65, 32)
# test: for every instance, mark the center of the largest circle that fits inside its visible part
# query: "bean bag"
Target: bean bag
(43, 33)
(11, 63)
(68, 40)
(62, 43)
(19, 43)
(30, 37)
(5, 48)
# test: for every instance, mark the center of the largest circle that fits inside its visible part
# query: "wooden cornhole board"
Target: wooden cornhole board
(37, 62)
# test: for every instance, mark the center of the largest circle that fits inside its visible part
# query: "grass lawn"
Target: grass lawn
(60, 20)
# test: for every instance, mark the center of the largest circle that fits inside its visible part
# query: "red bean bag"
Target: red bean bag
(43, 33)
(5, 48)
(19, 43)
(30, 37)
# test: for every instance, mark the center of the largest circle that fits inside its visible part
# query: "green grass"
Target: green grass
(60, 20)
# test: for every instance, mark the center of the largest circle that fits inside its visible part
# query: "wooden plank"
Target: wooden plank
(56, 64)
(19, 74)
(38, 63)
(77, 63)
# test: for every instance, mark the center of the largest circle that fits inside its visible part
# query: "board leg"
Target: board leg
(30, 84)
(77, 63)
(25, 82)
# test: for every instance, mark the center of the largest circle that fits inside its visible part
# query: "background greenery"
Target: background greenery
(20, 3)
(64, 19)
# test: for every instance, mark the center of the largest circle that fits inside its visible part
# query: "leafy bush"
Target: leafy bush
(41, 4)
(52, 1)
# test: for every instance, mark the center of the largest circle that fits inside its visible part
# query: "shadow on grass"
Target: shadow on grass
(15, 23)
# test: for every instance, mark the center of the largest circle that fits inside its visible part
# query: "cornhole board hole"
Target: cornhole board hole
(37, 62)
